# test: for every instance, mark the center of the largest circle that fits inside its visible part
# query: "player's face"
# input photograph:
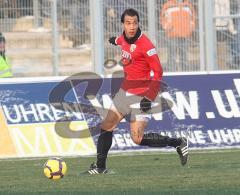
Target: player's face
(130, 26)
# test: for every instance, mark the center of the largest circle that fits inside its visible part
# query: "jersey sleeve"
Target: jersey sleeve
(119, 40)
(156, 67)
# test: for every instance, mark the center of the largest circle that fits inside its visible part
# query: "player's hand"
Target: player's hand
(112, 40)
(145, 105)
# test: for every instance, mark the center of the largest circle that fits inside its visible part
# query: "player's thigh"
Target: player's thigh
(111, 120)
(137, 130)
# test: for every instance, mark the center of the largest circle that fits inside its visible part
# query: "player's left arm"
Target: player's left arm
(156, 67)
(154, 83)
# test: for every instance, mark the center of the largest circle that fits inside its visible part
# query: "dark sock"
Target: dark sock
(174, 142)
(157, 140)
(103, 146)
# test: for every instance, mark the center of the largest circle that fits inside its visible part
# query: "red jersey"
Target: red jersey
(138, 60)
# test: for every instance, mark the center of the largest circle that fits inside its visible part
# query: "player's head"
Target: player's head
(2, 44)
(130, 21)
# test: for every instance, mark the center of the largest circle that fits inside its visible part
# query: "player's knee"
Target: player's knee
(137, 140)
(111, 121)
(108, 126)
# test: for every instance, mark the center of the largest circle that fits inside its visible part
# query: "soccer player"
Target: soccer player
(139, 58)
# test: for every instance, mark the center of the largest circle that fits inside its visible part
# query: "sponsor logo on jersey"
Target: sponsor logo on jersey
(126, 55)
(126, 58)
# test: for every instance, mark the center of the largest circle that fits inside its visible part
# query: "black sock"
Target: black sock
(157, 140)
(103, 146)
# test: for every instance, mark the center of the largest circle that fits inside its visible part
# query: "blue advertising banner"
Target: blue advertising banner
(31, 126)
(205, 109)
(61, 116)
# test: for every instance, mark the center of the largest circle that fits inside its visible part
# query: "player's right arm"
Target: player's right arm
(115, 40)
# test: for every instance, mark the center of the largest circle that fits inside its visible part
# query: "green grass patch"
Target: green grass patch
(148, 173)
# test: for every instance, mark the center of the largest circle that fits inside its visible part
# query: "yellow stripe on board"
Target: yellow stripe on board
(40, 139)
(7, 148)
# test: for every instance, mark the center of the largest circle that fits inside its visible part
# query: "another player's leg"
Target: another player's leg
(157, 140)
(105, 142)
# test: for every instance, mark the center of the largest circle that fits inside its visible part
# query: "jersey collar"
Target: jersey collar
(132, 40)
